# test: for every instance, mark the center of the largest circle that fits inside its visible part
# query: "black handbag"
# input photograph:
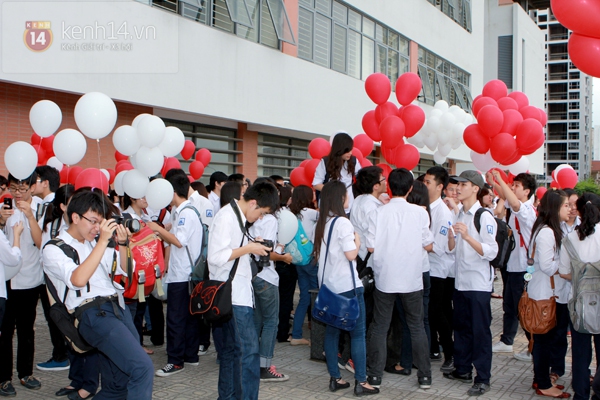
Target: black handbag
(365, 273)
(334, 309)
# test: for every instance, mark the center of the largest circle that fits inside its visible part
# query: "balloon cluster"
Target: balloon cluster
(564, 177)
(507, 129)
(583, 18)
(443, 130)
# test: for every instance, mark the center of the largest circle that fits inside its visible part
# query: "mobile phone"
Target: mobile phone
(8, 204)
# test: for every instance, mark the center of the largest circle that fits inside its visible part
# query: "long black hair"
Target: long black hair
(333, 196)
(342, 144)
(419, 195)
(302, 197)
(548, 215)
(53, 211)
(588, 205)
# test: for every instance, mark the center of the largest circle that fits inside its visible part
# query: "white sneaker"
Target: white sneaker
(202, 350)
(502, 347)
(523, 356)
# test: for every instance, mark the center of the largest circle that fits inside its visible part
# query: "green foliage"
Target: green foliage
(587, 186)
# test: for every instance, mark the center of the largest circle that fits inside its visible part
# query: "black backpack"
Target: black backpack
(199, 267)
(504, 237)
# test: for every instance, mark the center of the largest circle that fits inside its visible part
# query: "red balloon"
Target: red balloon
(378, 88)
(530, 112)
(506, 103)
(392, 131)
(408, 87)
(584, 52)
(169, 164)
(512, 120)
(319, 148)
(365, 163)
(490, 120)
(111, 175)
(191, 179)
(74, 173)
(123, 165)
(567, 178)
(298, 177)
(92, 177)
(496, 89)
(388, 153)
(120, 157)
(406, 156)
(503, 147)
(196, 169)
(371, 126)
(41, 154)
(64, 174)
(530, 136)
(543, 117)
(357, 153)
(513, 159)
(385, 110)
(303, 163)
(47, 143)
(554, 185)
(482, 102)
(540, 192)
(188, 150)
(364, 143)
(475, 139)
(581, 16)
(35, 139)
(413, 117)
(204, 156)
(386, 169)
(310, 168)
(520, 97)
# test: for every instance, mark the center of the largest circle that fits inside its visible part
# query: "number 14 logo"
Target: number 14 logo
(38, 35)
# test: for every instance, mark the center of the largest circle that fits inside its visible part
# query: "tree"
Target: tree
(587, 186)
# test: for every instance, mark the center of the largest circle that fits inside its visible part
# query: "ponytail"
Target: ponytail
(588, 206)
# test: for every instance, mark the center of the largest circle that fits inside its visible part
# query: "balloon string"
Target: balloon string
(104, 206)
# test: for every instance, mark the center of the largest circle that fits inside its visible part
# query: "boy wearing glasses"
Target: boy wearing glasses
(23, 289)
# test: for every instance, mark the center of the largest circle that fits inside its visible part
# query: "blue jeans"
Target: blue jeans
(85, 370)
(357, 340)
(239, 368)
(307, 280)
(266, 318)
(126, 369)
(581, 350)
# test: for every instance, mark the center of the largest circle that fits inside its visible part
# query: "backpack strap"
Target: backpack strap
(190, 207)
(73, 255)
(54, 227)
(477, 218)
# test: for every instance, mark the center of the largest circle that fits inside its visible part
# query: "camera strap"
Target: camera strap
(236, 210)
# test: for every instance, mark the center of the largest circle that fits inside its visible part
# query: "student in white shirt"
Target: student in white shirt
(241, 179)
(239, 367)
(474, 279)
(202, 204)
(521, 216)
(574, 219)
(545, 247)
(185, 240)
(10, 257)
(398, 235)
(339, 165)
(217, 180)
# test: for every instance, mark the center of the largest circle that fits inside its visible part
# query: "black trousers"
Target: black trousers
(546, 349)
(157, 317)
(438, 322)
(287, 286)
(59, 346)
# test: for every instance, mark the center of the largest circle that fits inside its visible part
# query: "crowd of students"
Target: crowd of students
(417, 236)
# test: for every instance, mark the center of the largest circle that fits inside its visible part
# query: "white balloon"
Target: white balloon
(445, 149)
(106, 174)
(483, 162)
(444, 136)
(69, 146)
(456, 144)
(20, 159)
(149, 161)
(520, 166)
(151, 131)
(448, 120)
(54, 162)
(468, 119)
(133, 160)
(95, 115)
(431, 142)
(288, 226)
(45, 117)
(453, 108)
(439, 158)
(118, 183)
(434, 124)
(561, 166)
(135, 184)
(441, 105)
(137, 119)
(435, 113)
(417, 140)
(126, 140)
(159, 194)
(173, 142)
(457, 131)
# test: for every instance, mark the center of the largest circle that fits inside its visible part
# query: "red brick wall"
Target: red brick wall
(249, 155)
(16, 101)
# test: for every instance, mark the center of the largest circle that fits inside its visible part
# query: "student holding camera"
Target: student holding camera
(239, 368)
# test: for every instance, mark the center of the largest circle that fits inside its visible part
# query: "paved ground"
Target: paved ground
(511, 379)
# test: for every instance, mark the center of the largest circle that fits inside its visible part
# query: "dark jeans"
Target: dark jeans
(472, 334)
(382, 315)
(581, 353)
(20, 314)
(287, 287)
(307, 280)
(59, 346)
(138, 319)
(183, 337)
(544, 348)
(157, 316)
(511, 295)
(85, 370)
(448, 301)
(438, 322)
(126, 369)
(558, 352)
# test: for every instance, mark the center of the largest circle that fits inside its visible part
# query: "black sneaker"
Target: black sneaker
(448, 366)
(271, 375)
(425, 382)
(31, 383)
(435, 357)
(466, 378)
(478, 389)
(7, 389)
(168, 370)
(374, 381)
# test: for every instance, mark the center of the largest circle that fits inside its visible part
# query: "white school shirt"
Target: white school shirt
(47, 234)
(338, 274)
(345, 177)
(133, 215)
(546, 263)
(30, 273)
(153, 215)
(216, 202)
(266, 228)
(473, 271)
(59, 268)
(363, 206)
(204, 207)
(587, 251)
(398, 231)
(441, 260)
(566, 228)
(225, 236)
(10, 258)
(186, 227)
(309, 222)
(517, 261)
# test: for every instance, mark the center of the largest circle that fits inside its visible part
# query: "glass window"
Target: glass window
(340, 13)
(238, 12)
(280, 21)
(393, 66)
(246, 32)
(368, 27)
(354, 39)
(268, 32)
(279, 155)
(322, 40)
(354, 20)
(339, 48)
(323, 6)
(305, 34)
(368, 55)
(381, 59)
(221, 17)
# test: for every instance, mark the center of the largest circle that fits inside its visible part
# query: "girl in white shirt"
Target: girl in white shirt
(545, 245)
(338, 274)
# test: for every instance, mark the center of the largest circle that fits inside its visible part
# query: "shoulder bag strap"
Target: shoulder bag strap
(327, 248)
(236, 210)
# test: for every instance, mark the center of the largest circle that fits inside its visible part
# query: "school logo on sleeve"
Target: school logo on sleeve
(209, 213)
(490, 229)
(444, 230)
(182, 222)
